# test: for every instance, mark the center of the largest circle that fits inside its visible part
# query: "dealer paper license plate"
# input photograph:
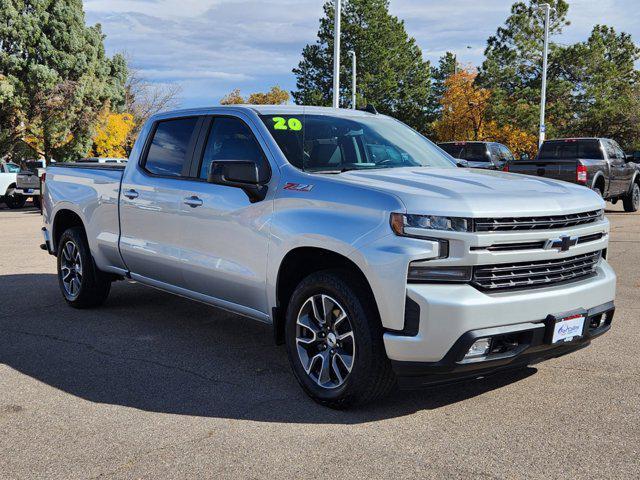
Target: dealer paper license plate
(568, 328)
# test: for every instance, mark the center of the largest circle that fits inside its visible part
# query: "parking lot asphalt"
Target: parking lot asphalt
(155, 386)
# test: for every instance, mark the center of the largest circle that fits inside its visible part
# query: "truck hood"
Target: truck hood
(477, 193)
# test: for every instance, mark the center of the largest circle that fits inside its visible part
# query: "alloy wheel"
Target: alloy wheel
(325, 341)
(71, 269)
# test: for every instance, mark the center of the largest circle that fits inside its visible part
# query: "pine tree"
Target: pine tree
(392, 75)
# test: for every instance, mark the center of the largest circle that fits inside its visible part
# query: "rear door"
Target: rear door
(224, 235)
(626, 171)
(617, 163)
(151, 201)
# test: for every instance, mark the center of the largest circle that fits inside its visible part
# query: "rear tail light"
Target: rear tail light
(43, 177)
(505, 168)
(581, 174)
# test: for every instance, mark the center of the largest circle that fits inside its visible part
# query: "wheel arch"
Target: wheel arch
(301, 262)
(599, 182)
(64, 219)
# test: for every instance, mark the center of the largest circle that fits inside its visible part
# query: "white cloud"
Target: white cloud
(212, 46)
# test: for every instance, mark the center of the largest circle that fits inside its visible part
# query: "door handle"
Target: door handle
(131, 194)
(193, 201)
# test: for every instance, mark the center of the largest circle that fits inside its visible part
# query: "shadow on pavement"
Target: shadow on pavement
(152, 351)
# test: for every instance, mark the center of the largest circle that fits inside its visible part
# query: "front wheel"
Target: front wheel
(81, 283)
(334, 341)
(631, 201)
(14, 200)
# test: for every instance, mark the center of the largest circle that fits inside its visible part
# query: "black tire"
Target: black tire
(371, 376)
(91, 287)
(598, 191)
(13, 200)
(631, 200)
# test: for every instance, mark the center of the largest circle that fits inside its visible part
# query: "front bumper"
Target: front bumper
(448, 312)
(535, 347)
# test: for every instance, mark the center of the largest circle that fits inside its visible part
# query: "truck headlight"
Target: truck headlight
(420, 225)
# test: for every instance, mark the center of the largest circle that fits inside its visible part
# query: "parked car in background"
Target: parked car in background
(8, 195)
(598, 163)
(374, 258)
(487, 155)
(29, 178)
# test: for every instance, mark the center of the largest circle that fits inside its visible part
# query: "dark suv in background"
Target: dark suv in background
(487, 155)
(598, 163)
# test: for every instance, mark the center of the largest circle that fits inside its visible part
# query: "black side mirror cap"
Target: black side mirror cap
(238, 174)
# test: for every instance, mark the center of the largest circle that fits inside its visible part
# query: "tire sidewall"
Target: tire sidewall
(334, 285)
(635, 197)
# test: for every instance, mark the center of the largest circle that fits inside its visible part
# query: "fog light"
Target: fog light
(480, 348)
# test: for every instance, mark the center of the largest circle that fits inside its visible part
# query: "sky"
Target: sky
(210, 47)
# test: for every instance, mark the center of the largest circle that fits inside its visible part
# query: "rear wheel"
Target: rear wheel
(81, 283)
(631, 201)
(334, 341)
(14, 200)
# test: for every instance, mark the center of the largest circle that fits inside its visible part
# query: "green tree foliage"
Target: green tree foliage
(606, 86)
(439, 75)
(54, 77)
(512, 69)
(392, 74)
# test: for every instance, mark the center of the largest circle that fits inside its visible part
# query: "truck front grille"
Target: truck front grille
(536, 223)
(535, 274)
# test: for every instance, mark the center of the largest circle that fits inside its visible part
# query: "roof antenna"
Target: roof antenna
(369, 108)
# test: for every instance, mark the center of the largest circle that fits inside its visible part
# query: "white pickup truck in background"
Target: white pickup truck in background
(8, 176)
(375, 258)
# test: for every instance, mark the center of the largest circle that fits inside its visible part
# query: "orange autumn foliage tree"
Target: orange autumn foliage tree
(112, 133)
(465, 108)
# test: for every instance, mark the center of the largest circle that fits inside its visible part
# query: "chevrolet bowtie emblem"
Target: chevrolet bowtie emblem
(564, 243)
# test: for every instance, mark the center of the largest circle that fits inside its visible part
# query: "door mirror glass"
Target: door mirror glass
(524, 157)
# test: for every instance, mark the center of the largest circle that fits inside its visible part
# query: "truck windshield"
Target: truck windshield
(570, 150)
(327, 143)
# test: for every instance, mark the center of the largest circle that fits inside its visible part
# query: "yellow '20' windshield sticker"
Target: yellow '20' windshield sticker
(280, 123)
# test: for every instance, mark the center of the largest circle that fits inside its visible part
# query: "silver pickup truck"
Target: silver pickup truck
(376, 260)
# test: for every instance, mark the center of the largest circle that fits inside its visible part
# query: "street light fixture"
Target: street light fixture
(353, 79)
(543, 94)
(336, 55)
(455, 60)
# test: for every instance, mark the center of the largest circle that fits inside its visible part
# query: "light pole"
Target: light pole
(543, 94)
(455, 61)
(336, 55)
(354, 77)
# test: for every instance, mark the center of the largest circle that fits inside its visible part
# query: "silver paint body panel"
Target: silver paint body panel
(228, 252)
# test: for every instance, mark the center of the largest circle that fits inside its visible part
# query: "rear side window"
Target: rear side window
(475, 152)
(231, 139)
(452, 149)
(571, 149)
(171, 146)
(12, 168)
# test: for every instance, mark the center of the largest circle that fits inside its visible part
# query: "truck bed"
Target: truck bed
(91, 190)
(555, 169)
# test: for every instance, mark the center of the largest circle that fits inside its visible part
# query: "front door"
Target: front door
(226, 236)
(151, 202)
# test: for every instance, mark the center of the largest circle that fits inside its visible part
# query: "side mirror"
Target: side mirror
(524, 157)
(243, 175)
(462, 163)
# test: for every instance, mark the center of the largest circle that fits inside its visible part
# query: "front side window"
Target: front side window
(230, 139)
(329, 143)
(171, 146)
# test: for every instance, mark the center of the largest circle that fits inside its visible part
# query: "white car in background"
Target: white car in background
(8, 194)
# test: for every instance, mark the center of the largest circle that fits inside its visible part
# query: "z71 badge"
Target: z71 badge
(298, 187)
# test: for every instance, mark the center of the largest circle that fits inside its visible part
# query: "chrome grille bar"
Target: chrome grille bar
(535, 274)
(536, 223)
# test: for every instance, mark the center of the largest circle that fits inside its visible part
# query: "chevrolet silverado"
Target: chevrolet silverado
(376, 260)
